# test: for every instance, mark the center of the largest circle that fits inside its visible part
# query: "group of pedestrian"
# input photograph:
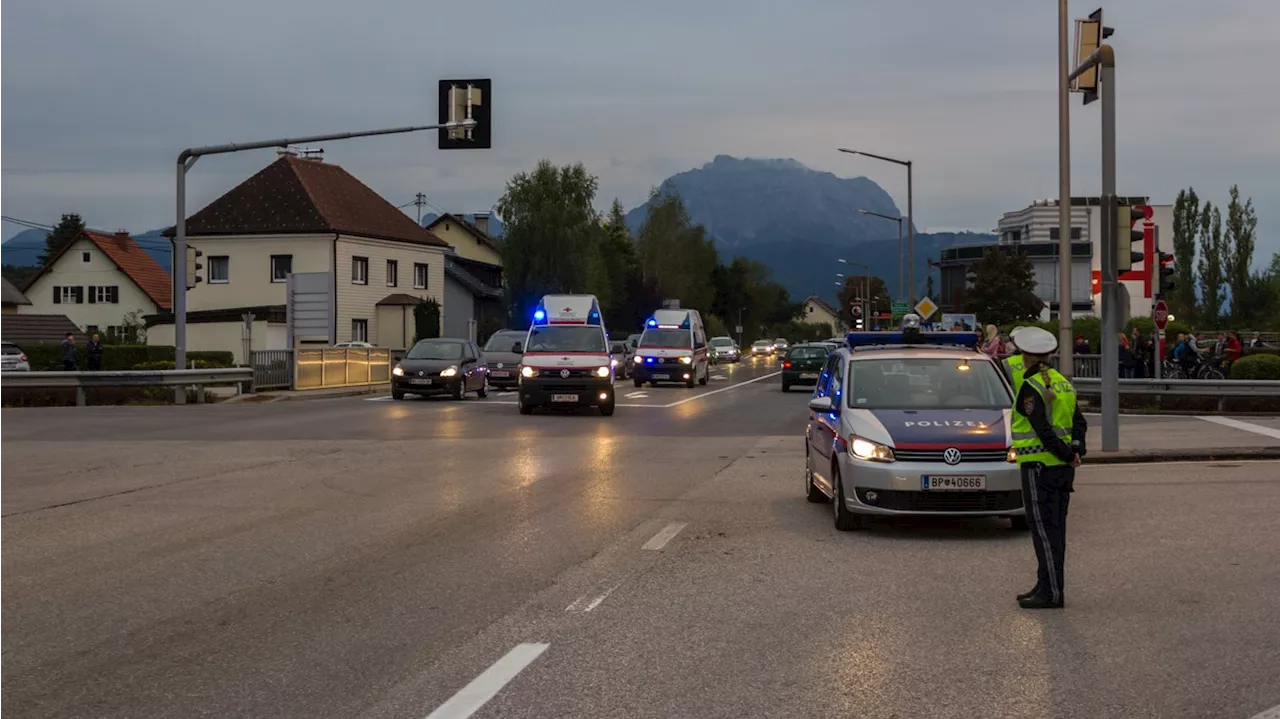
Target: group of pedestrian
(70, 355)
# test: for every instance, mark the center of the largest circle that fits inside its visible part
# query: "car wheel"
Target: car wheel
(706, 376)
(1019, 524)
(606, 408)
(811, 491)
(786, 387)
(638, 382)
(524, 408)
(460, 390)
(397, 394)
(846, 521)
(484, 389)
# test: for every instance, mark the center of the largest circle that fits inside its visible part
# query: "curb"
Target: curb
(305, 395)
(1146, 456)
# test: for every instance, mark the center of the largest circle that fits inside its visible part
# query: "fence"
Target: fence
(328, 367)
(199, 378)
(272, 369)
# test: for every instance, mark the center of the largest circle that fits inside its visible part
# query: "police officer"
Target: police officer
(1049, 438)
(1013, 366)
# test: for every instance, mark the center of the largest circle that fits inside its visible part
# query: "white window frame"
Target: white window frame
(393, 273)
(425, 270)
(359, 270)
(104, 294)
(226, 269)
(285, 277)
(359, 330)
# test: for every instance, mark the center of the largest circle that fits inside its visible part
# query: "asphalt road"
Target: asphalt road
(369, 558)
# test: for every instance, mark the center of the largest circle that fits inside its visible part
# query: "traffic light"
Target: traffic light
(1164, 281)
(1126, 234)
(193, 267)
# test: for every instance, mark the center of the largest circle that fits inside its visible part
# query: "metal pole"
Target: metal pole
(178, 263)
(911, 232)
(900, 278)
(1066, 365)
(1110, 278)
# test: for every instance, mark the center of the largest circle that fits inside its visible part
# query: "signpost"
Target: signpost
(901, 308)
(1161, 315)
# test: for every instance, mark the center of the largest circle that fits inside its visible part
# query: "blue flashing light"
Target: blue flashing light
(653, 323)
(869, 339)
(539, 316)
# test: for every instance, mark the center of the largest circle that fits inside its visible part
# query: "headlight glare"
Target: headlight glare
(449, 371)
(528, 372)
(397, 371)
(1011, 456)
(602, 372)
(870, 451)
(686, 360)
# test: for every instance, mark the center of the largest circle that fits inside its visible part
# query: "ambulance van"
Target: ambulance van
(566, 360)
(673, 348)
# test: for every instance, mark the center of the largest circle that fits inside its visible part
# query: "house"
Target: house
(469, 240)
(13, 298)
(473, 307)
(817, 311)
(23, 329)
(102, 282)
(303, 215)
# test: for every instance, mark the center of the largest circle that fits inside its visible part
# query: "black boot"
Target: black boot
(1040, 601)
(1028, 594)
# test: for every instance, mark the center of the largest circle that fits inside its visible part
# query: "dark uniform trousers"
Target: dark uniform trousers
(1047, 494)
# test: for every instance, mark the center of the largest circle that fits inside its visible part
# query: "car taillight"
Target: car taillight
(786, 364)
(22, 358)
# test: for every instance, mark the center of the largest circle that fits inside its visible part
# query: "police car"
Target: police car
(566, 361)
(912, 423)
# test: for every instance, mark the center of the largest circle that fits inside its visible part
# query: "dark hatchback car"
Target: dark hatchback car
(441, 366)
(502, 355)
(803, 364)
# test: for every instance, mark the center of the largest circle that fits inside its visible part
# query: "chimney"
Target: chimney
(122, 238)
(482, 222)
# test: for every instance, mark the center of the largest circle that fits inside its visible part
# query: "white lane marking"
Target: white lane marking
(665, 535)
(1246, 426)
(636, 395)
(1272, 713)
(723, 389)
(585, 603)
(718, 376)
(470, 698)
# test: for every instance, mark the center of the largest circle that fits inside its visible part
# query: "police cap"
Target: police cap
(1036, 341)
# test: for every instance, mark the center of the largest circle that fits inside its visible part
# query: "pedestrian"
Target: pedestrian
(992, 346)
(1082, 345)
(94, 351)
(1048, 431)
(1127, 358)
(69, 353)
(1141, 354)
(1257, 340)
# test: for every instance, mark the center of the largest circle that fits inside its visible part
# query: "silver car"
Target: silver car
(912, 430)
(14, 359)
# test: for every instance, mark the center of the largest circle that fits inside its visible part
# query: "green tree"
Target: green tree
(19, 276)
(676, 255)
(66, 232)
(1186, 226)
(552, 235)
(426, 320)
(878, 301)
(1242, 223)
(1212, 267)
(1001, 288)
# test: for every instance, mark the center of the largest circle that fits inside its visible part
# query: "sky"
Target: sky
(98, 98)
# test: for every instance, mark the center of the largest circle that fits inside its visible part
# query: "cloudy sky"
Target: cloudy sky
(99, 97)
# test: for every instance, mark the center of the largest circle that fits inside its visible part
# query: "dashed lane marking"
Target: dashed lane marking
(475, 695)
(636, 395)
(723, 389)
(586, 602)
(666, 534)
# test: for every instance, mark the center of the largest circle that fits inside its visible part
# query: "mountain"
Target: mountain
(24, 248)
(799, 221)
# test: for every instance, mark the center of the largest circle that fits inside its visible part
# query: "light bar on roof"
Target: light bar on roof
(872, 339)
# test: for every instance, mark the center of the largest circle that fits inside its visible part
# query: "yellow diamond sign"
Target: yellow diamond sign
(925, 308)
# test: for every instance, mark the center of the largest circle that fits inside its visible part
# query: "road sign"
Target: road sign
(901, 308)
(738, 329)
(925, 308)
(1161, 315)
(857, 310)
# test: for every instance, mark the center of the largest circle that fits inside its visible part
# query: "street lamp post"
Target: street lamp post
(911, 225)
(899, 221)
(866, 284)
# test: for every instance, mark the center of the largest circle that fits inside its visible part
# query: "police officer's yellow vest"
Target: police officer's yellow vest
(1059, 397)
(1016, 368)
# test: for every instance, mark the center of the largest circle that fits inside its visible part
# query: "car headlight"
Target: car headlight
(870, 451)
(397, 371)
(686, 360)
(527, 372)
(1011, 456)
(449, 371)
(602, 372)
(637, 359)
(613, 362)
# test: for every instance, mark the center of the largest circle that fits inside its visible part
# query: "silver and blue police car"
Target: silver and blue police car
(912, 423)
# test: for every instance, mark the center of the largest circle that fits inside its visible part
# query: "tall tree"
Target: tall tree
(675, 254)
(1186, 226)
(63, 234)
(1213, 265)
(552, 235)
(622, 272)
(1001, 288)
(1242, 223)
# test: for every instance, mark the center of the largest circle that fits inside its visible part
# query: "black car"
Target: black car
(502, 355)
(803, 363)
(441, 366)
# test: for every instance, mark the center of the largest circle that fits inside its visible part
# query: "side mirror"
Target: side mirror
(820, 404)
(517, 349)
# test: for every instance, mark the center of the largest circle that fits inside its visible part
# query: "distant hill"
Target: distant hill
(799, 221)
(24, 248)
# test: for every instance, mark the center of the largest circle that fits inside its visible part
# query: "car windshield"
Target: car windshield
(618, 348)
(502, 341)
(566, 338)
(761, 343)
(722, 341)
(435, 350)
(805, 353)
(780, 341)
(926, 382)
(655, 337)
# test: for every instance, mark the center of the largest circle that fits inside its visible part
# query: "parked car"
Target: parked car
(354, 345)
(441, 366)
(502, 355)
(13, 359)
(621, 353)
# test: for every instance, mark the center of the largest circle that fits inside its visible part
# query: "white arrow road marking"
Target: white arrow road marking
(636, 395)
(718, 376)
(666, 534)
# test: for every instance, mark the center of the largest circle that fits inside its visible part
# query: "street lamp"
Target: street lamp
(911, 225)
(866, 281)
(899, 221)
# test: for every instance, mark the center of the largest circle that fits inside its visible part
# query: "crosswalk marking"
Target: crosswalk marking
(636, 395)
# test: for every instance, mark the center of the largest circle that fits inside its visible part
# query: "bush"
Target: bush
(93, 396)
(168, 364)
(48, 355)
(1091, 328)
(715, 327)
(1256, 366)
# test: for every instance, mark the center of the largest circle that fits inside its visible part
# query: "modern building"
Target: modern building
(1034, 231)
(103, 283)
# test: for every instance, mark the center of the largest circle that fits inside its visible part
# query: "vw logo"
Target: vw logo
(499, 365)
(951, 456)
(565, 373)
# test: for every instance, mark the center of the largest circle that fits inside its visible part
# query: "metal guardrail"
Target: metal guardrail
(200, 378)
(1196, 387)
(272, 369)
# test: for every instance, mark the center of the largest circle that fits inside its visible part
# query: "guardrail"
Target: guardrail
(200, 378)
(1198, 387)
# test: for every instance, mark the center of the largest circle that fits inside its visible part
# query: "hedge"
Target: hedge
(1256, 366)
(66, 397)
(163, 365)
(48, 356)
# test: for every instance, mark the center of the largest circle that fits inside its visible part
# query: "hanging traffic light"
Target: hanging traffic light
(1126, 234)
(193, 267)
(1165, 282)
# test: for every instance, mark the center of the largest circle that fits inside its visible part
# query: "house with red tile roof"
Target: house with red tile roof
(96, 281)
(304, 215)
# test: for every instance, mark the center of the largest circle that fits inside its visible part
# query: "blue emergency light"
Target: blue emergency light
(539, 316)
(871, 339)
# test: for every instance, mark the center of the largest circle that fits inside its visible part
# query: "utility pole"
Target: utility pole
(1066, 363)
(419, 200)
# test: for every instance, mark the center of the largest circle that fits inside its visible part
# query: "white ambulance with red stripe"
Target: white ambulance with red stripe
(673, 348)
(566, 361)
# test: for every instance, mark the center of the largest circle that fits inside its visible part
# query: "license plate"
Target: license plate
(499, 373)
(564, 398)
(954, 482)
(662, 376)
(808, 375)
(420, 381)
